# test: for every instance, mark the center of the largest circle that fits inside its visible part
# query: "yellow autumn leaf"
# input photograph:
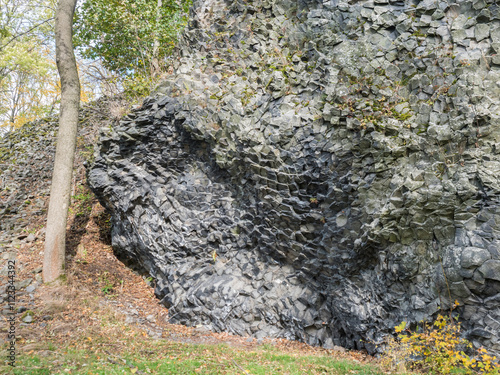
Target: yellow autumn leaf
(400, 327)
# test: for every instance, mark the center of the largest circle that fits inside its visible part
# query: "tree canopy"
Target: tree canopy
(28, 78)
(117, 41)
(130, 37)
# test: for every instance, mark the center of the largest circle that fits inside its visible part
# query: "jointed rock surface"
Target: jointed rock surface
(318, 171)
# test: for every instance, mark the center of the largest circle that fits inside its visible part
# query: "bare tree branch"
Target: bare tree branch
(25, 32)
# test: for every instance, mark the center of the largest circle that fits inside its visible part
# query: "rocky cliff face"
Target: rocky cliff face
(318, 170)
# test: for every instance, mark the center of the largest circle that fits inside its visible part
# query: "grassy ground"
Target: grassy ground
(164, 357)
(95, 338)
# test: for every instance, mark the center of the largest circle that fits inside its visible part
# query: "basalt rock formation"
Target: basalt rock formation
(318, 171)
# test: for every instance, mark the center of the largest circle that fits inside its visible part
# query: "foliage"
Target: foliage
(82, 206)
(137, 87)
(128, 38)
(29, 87)
(131, 37)
(437, 349)
(107, 283)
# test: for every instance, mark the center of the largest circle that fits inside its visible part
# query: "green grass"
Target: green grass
(163, 357)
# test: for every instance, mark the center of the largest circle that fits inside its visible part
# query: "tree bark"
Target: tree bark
(55, 236)
(155, 61)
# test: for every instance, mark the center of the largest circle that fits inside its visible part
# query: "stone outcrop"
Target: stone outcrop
(318, 171)
(26, 163)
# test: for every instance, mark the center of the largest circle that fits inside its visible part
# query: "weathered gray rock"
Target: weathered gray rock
(491, 269)
(317, 171)
(474, 257)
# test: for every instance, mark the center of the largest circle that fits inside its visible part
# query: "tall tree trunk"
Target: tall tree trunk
(55, 237)
(155, 61)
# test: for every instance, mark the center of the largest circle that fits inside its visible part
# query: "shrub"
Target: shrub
(437, 348)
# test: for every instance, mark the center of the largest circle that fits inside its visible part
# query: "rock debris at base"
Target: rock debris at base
(26, 163)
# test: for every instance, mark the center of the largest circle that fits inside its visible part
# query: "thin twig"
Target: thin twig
(95, 110)
(448, 287)
(485, 61)
(26, 32)
(241, 368)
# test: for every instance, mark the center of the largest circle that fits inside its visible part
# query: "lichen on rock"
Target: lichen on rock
(317, 170)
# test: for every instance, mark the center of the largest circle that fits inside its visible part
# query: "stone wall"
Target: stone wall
(318, 171)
